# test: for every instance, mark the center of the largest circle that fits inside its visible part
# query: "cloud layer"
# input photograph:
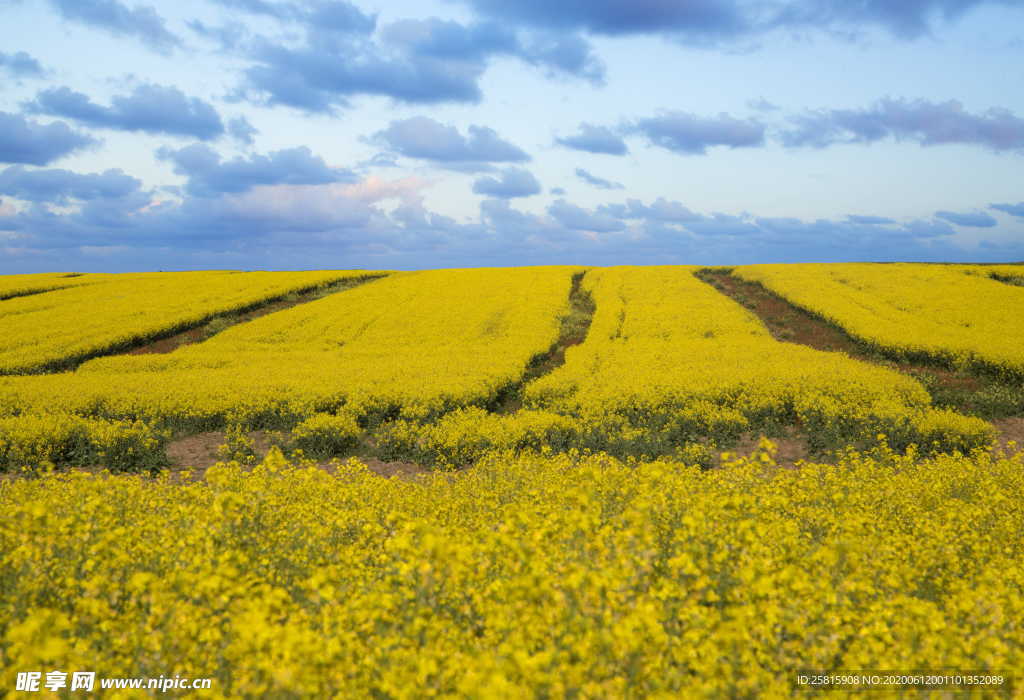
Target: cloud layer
(141, 22)
(153, 109)
(20, 65)
(209, 176)
(26, 141)
(921, 121)
(512, 182)
(426, 139)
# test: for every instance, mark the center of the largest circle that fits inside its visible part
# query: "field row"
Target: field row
(958, 314)
(61, 327)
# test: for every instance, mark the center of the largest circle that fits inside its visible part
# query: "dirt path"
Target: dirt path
(197, 453)
(574, 328)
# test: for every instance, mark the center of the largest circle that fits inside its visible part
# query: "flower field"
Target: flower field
(525, 577)
(957, 314)
(20, 285)
(573, 528)
(43, 330)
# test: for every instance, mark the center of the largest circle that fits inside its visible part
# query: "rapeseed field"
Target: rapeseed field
(585, 517)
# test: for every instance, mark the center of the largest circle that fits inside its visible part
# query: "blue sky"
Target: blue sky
(274, 134)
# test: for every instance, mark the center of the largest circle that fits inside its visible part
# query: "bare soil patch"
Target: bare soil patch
(1010, 430)
(791, 449)
(200, 451)
(197, 453)
(403, 470)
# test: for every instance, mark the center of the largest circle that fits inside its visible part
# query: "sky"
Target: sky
(327, 134)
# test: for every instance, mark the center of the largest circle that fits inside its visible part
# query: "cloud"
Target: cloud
(513, 182)
(153, 109)
(598, 182)
(904, 20)
(299, 226)
(563, 54)
(579, 219)
(242, 131)
(209, 176)
(928, 229)
(141, 22)
(229, 36)
(977, 219)
(380, 160)
(762, 105)
(927, 123)
(1011, 209)
(416, 61)
(660, 210)
(869, 220)
(557, 190)
(21, 65)
(451, 41)
(441, 144)
(688, 134)
(719, 225)
(56, 185)
(621, 17)
(278, 10)
(706, 22)
(595, 139)
(24, 141)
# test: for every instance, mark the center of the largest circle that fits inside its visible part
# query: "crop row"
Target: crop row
(955, 314)
(60, 327)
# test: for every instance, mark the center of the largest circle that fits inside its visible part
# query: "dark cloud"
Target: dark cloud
(153, 109)
(708, 22)
(140, 22)
(598, 182)
(208, 176)
(301, 226)
(978, 219)
(318, 78)
(1011, 209)
(715, 18)
(870, 220)
(920, 228)
(418, 61)
(688, 134)
(25, 141)
(58, 186)
(579, 219)
(595, 139)
(426, 139)
(513, 182)
(21, 65)
(927, 123)
(242, 131)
